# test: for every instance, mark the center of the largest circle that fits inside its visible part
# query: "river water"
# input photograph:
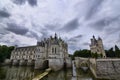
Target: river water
(27, 73)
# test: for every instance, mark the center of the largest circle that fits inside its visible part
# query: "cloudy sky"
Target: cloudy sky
(23, 22)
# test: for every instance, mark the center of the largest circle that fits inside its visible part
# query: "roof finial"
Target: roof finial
(55, 36)
(93, 36)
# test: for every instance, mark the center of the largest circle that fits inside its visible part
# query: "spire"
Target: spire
(93, 37)
(55, 36)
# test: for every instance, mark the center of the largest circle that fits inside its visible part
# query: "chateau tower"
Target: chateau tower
(96, 46)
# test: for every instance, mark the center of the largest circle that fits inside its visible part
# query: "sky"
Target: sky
(24, 22)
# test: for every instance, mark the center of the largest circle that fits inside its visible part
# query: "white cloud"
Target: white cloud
(98, 17)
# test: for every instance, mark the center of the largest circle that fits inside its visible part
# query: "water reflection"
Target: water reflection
(67, 75)
(84, 75)
(60, 75)
(18, 73)
(28, 73)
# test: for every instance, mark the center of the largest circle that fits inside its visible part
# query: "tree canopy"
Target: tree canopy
(5, 52)
(112, 53)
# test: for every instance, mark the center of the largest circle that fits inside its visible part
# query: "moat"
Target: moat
(28, 73)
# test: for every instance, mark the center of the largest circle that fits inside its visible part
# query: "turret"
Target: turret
(93, 41)
(100, 42)
(97, 46)
(99, 38)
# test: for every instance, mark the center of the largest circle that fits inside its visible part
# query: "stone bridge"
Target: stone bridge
(53, 63)
(81, 62)
(20, 62)
(42, 63)
(101, 68)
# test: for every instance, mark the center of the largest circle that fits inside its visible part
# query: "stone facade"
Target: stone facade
(53, 49)
(101, 68)
(80, 62)
(96, 46)
(108, 68)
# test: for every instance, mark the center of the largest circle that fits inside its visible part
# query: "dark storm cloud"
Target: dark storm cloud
(52, 26)
(17, 29)
(8, 40)
(104, 22)
(100, 24)
(45, 33)
(3, 31)
(118, 41)
(32, 2)
(32, 35)
(78, 36)
(112, 30)
(93, 8)
(4, 14)
(74, 48)
(1, 36)
(74, 39)
(21, 2)
(5, 41)
(70, 26)
(86, 44)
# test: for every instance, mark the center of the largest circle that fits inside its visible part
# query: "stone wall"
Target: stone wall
(79, 61)
(39, 64)
(92, 66)
(68, 62)
(7, 61)
(101, 68)
(56, 64)
(108, 68)
(15, 62)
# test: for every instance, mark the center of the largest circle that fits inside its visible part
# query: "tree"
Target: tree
(82, 53)
(110, 53)
(5, 52)
(117, 51)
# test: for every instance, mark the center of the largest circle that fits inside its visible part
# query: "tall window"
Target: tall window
(55, 50)
(52, 50)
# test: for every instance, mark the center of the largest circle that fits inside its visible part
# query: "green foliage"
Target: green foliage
(2, 73)
(95, 55)
(113, 52)
(117, 51)
(5, 52)
(86, 54)
(82, 53)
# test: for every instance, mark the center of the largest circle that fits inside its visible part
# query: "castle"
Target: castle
(96, 46)
(50, 51)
